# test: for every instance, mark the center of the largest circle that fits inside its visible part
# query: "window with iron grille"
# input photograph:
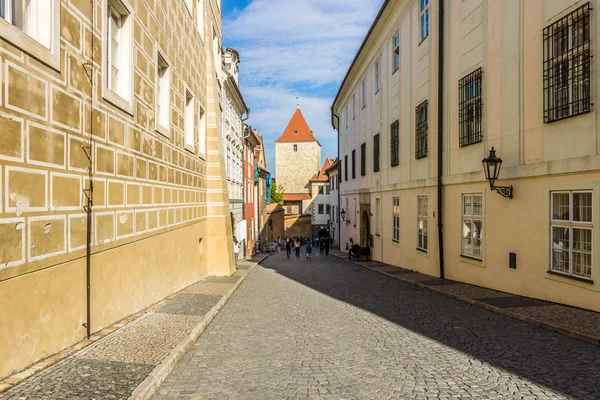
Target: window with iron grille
(567, 66)
(469, 108)
(353, 164)
(321, 208)
(363, 159)
(395, 143)
(346, 166)
(396, 219)
(421, 131)
(327, 209)
(376, 153)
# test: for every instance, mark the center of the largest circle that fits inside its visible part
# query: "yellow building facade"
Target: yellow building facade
(515, 75)
(126, 93)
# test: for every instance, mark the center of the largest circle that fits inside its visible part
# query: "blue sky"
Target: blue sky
(294, 48)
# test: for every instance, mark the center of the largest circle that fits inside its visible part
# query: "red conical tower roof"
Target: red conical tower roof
(297, 130)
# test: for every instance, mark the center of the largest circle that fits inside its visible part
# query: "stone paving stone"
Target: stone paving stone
(146, 341)
(77, 378)
(472, 292)
(582, 321)
(316, 329)
(213, 288)
(513, 302)
(189, 304)
(223, 279)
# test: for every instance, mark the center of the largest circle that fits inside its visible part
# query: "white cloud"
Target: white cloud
(292, 48)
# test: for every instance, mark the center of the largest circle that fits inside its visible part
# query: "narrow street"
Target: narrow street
(327, 328)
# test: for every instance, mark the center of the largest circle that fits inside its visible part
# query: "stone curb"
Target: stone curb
(532, 321)
(153, 381)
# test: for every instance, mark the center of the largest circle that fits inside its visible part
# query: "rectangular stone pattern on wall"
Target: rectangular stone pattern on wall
(144, 183)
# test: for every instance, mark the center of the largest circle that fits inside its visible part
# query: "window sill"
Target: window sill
(575, 278)
(378, 90)
(395, 241)
(163, 131)
(472, 260)
(422, 40)
(395, 70)
(117, 101)
(190, 148)
(422, 251)
(202, 156)
(363, 107)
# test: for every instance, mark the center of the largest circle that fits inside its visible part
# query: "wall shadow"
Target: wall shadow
(565, 365)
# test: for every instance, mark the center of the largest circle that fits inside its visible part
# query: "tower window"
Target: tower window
(295, 147)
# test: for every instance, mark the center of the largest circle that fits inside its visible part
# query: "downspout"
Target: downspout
(440, 155)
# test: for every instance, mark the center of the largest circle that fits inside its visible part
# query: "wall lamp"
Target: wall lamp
(491, 168)
(343, 213)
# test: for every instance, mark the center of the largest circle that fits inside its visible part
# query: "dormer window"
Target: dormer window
(296, 131)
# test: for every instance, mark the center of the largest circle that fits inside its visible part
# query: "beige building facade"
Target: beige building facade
(517, 76)
(123, 94)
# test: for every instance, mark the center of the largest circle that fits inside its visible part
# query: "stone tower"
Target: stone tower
(297, 156)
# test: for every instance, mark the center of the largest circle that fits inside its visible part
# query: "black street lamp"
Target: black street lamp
(343, 213)
(491, 168)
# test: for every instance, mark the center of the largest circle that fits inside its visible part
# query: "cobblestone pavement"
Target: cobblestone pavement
(114, 366)
(326, 328)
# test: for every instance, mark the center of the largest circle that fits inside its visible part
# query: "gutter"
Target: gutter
(440, 152)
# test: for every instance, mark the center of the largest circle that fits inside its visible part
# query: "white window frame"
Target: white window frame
(189, 128)
(202, 133)
(396, 219)
(163, 95)
(200, 24)
(570, 225)
(423, 19)
(190, 8)
(346, 115)
(38, 14)
(377, 75)
(123, 97)
(364, 92)
(422, 220)
(377, 216)
(395, 52)
(470, 217)
(353, 106)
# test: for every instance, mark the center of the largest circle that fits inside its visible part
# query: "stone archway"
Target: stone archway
(365, 229)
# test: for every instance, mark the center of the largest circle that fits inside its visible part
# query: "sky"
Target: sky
(294, 48)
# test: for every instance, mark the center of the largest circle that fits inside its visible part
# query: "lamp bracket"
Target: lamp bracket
(504, 191)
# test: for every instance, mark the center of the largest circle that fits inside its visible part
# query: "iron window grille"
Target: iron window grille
(395, 143)
(567, 66)
(470, 108)
(346, 167)
(321, 208)
(421, 131)
(396, 219)
(363, 159)
(376, 153)
(353, 164)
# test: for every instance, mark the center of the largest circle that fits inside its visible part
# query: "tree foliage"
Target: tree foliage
(277, 194)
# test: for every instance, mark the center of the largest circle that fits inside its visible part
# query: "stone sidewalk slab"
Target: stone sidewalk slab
(131, 358)
(576, 323)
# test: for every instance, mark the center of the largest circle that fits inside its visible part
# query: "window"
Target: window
(422, 222)
(295, 147)
(421, 131)
(353, 164)
(396, 48)
(396, 219)
(424, 18)
(202, 134)
(364, 93)
(571, 233)
(363, 159)
(469, 114)
(377, 75)
(189, 121)
(321, 190)
(327, 209)
(346, 166)
(395, 144)
(376, 153)
(118, 58)
(321, 209)
(472, 224)
(163, 90)
(200, 18)
(353, 106)
(377, 215)
(35, 19)
(567, 66)
(346, 116)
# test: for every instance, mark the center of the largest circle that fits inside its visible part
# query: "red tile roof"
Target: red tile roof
(322, 177)
(297, 130)
(296, 196)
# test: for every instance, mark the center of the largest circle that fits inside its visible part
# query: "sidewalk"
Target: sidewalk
(131, 358)
(573, 322)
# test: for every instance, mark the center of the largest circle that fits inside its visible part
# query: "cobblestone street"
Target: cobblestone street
(326, 328)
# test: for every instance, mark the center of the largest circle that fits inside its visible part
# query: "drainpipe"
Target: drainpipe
(440, 170)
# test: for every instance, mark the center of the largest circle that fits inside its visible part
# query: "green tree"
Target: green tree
(277, 193)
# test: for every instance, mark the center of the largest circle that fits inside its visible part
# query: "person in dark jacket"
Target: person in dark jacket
(288, 247)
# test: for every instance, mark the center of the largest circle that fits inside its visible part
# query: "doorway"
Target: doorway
(365, 229)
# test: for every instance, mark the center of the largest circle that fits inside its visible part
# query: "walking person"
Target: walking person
(288, 247)
(322, 245)
(308, 250)
(349, 247)
(326, 246)
(297, 245)
(236, 250)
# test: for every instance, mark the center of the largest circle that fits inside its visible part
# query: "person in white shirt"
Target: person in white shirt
(236, 250)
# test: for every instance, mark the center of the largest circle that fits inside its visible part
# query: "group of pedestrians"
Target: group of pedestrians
(297, 243)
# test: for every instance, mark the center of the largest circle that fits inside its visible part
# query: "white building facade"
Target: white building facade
(334, 210)
(234, 109)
